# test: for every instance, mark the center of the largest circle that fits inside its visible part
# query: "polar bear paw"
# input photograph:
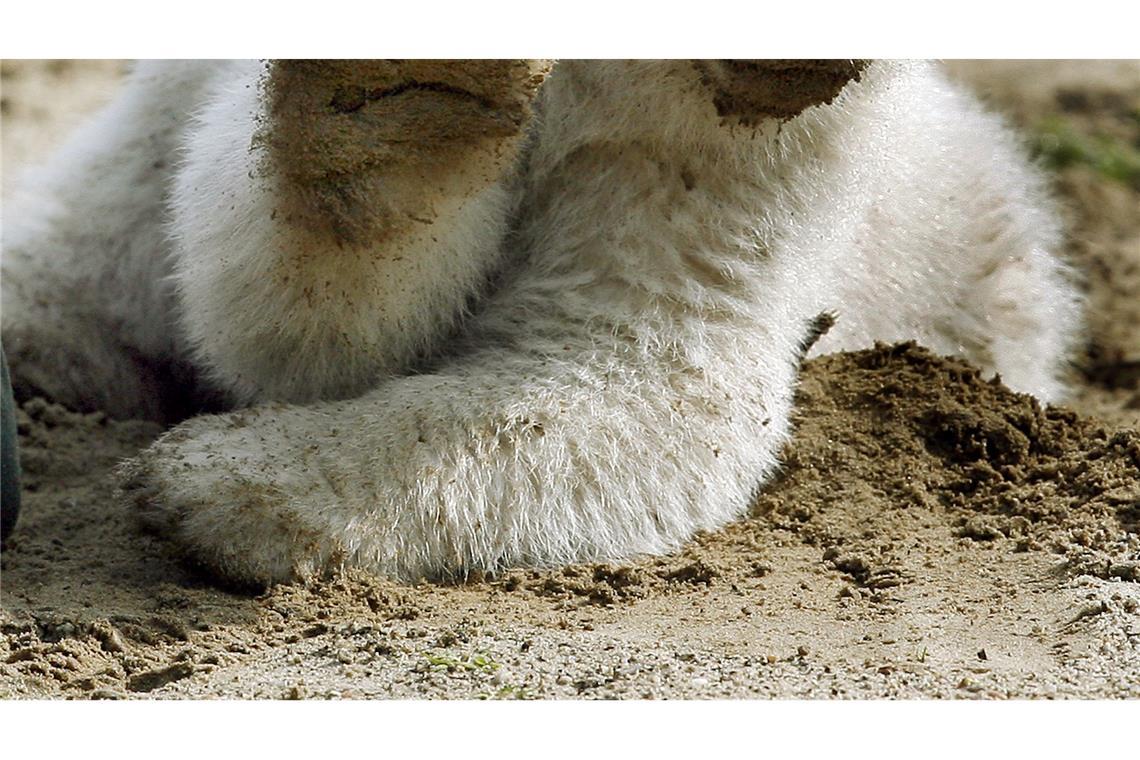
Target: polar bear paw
(249, 511)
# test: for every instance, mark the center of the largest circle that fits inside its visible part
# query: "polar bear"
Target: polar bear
(471, 315)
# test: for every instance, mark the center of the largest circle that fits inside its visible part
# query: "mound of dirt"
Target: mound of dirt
(906, 468)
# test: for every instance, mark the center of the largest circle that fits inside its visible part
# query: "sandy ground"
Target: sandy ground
(932, 535)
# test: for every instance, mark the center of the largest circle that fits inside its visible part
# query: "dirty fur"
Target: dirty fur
(605, 296)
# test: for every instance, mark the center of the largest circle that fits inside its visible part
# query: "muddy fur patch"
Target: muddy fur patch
(753, 90)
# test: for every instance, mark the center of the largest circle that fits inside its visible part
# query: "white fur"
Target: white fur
(627, 381)
(276, 312)
(87, 317)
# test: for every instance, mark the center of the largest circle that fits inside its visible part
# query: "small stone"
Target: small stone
(107, 694)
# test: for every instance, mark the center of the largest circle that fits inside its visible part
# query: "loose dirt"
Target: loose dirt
(931, 534)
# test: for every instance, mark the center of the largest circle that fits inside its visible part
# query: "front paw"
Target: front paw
(239, 495)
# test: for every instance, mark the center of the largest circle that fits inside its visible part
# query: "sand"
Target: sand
(932, 535)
